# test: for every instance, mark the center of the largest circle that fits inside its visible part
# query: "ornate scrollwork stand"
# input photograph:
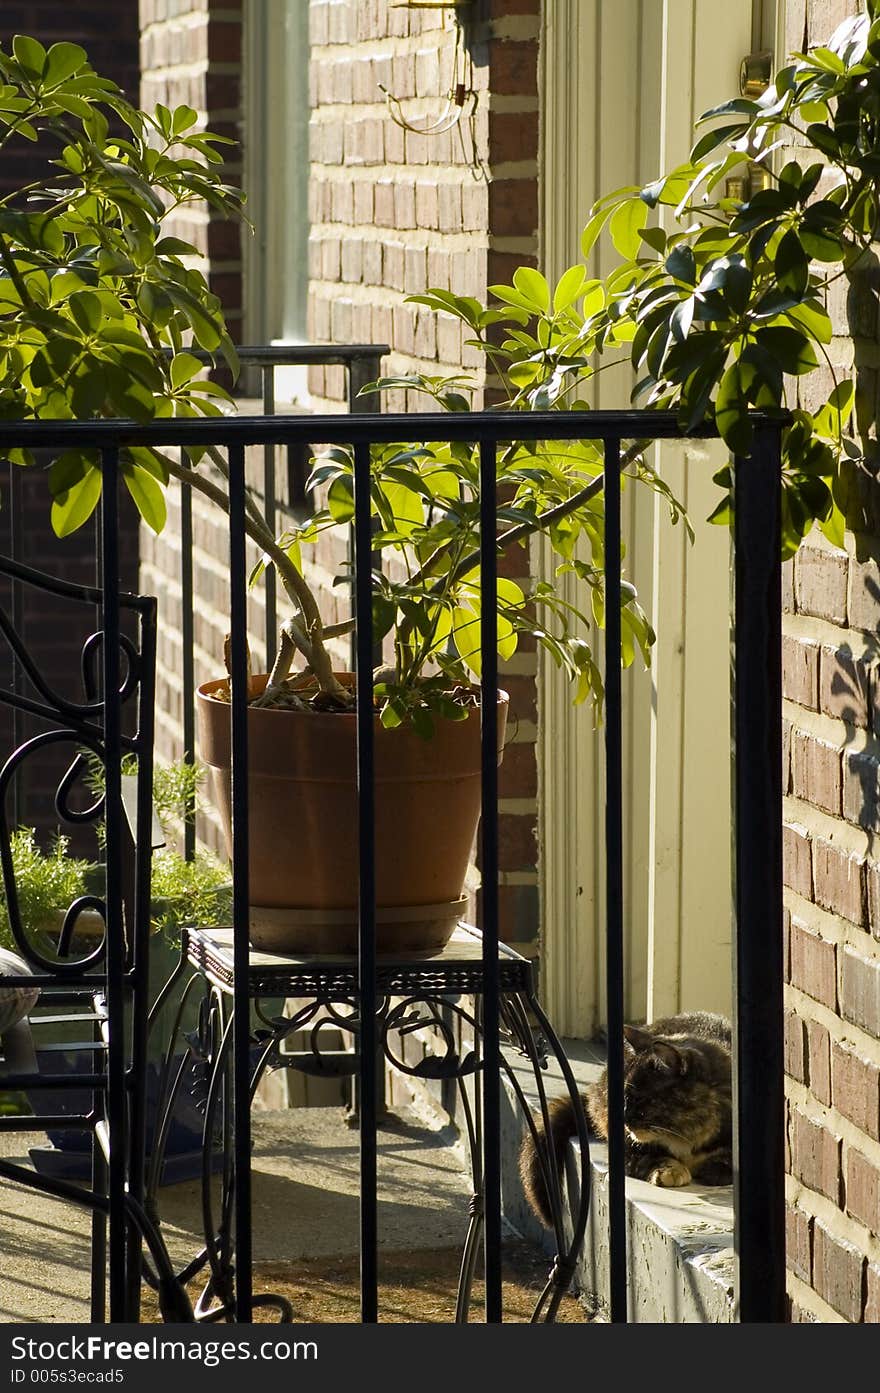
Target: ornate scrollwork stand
(426, 993)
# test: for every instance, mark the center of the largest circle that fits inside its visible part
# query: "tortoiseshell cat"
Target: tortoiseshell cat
(676, 1108)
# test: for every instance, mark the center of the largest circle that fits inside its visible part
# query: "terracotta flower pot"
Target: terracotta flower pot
(303, 823)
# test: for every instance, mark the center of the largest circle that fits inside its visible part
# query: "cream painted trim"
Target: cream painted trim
(276, 170)
(599, 81)
(623, 81)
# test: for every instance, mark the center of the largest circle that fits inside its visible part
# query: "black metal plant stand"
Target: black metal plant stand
(415, 993)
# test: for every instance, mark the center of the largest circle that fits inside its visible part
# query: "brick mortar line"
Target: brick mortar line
(197, 67)
(831, 730)
(414, 238)
(361, 294)
(400, 363)
(518, 807)
(513, 103)
(869, 351)
(833, 928)
(840, 1031)
(846, 836)
(521, 664)
(405, 45)
(525, 246)
(516, 28)
(841, 1225)
(838, 1225)
(437, 175)
(192, 19)
(823, 633)
(810, 1300)
(513, 169)
(834, 1121)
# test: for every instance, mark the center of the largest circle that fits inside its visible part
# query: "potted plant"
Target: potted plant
(717, 311)
(183, 892)
(720, 311)
(96, 306)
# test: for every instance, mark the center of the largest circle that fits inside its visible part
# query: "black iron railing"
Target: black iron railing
(759, 1194)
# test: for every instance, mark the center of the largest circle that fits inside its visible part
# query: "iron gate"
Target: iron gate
(756, 691)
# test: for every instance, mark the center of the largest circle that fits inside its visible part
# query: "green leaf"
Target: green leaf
(86, 312)
(736, 107)
(834, 527)
(568, 288)
(174, 246)
(384, 615)
(626, 223)
(822, 245)
(533, 287)
(30, 54)
(712, 139)
(184, 367)
(681, 264)
(182, 118)
(62, 61)
(148, 495)
(814, 319)
(75, 484)
(592, 231)
(340, 500)
(731, 411)
(842, 399)
(736, 285)
(792, 349)
(406, 506)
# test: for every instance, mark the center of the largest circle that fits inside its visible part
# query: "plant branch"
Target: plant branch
(14, 274)
(310, 641)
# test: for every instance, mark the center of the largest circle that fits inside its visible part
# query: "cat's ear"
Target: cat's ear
(667, 1057)
(640, 1040)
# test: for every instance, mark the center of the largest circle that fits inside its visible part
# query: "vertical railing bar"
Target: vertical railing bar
(364, 368)
(759, 1099)
(116, 1059)
(489, 881)
(16, 536)
(614, 887)
(139, 946)
(187, 638)
(240, 887)
(368, 1034)
(270, 513)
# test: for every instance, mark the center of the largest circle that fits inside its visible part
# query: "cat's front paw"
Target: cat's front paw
(670, 1173)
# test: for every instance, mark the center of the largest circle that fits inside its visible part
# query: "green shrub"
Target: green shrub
(45, 881)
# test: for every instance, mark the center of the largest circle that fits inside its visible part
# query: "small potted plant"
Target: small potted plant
(183, 892)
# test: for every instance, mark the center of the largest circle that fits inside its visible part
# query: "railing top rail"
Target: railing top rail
(299, 354)
(355, 429)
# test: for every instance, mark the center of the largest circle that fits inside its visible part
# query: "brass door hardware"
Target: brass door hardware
(755, 72)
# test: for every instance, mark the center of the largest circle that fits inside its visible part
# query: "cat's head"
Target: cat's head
(676, 1091)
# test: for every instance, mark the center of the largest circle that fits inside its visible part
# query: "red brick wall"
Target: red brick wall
(831, 664)
(391, 212)
(190, 54)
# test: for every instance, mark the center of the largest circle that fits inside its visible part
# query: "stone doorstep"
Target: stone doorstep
(680, 1265)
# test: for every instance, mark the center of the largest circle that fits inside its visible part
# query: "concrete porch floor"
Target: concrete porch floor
(305, 1207)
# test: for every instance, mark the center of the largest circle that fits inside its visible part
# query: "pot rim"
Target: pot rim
(205, 693)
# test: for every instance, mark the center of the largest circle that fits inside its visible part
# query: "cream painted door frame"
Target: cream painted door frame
(623, 81)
